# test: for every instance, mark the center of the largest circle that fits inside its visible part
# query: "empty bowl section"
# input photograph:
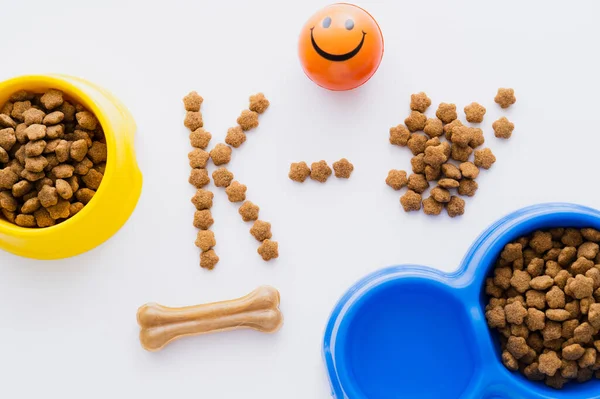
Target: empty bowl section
(405, 338)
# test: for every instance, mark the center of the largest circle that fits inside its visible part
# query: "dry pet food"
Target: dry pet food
(503, 128)
(299, 171)
(53, 157)
(544, 300)
(448, 153)
(505, 97)
(343, 169)
(320, 171)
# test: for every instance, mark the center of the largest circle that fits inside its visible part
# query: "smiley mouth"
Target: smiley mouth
(336, 57)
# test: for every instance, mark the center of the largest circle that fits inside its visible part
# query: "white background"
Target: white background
(68, 328)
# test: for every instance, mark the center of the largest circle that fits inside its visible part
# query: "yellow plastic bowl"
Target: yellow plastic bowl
(116, 197)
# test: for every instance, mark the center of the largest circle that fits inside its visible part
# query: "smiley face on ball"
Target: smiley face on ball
(340, 47)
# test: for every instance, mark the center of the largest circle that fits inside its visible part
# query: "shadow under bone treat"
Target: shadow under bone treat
(258, 310)
(361, 341)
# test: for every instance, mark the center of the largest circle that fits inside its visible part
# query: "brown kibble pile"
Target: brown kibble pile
(544, 300)
(52, 158)
(444, 151)
(221, 155)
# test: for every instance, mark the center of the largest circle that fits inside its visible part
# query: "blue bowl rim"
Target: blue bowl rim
(467, 276)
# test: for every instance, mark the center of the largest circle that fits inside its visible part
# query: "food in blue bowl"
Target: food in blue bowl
(414, 332)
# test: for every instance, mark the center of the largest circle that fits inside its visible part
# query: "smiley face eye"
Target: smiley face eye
(326, 22)
(349, 24)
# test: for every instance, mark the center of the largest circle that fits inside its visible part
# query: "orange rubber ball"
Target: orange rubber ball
(340, 47)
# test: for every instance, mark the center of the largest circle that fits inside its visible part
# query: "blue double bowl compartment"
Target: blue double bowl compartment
(414, 332)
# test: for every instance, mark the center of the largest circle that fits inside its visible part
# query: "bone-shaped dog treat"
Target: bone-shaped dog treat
(258, 310)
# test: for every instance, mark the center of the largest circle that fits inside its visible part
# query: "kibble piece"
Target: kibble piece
(199, 177)
(82, 168)
(68, 111)
(399, 135)
(580, 287)
(449, 128)
(509, 361)
(455, 207)
(572, 352)
(86, 120)
(517, 346)
(75, 208)
(249, 211)
(584, 306)
(451, 171)
(549, 363)
(474, 113)
(36, 164)
(535, 267)
(432, 207)
(32, 176)
(536, 319)
(52, 118)
(299, 171)
(192, 101)
(467, 187)
(541, 241)
(417, 143)
(64, 189)
(594, 274)
(505, 97)
(515, 312)
(502, 276)
(572, 237)
(440, 194)
(203, 199)
(258, 103)
(92, 179)
(261, 230)
(555, 297)
(35, 132)
(6, 108)
(432, 142)
(477, 138)
(581, 265)
(236, 192)
(491, 289)
(7, 178)
(21, 188)
(221, 154)
(520, 281)
(7, 121)
(557, 314)
(448, 183)
(594, 315)
(434, 127)
(52, 99)
(343, 168)
(588, 359)
(63, 150)
(60, 210)
(552, 331)
(396, 179)
(7, 201)
(512, 252)
(199, 138)
(469, 170)
(320, 171)
(205, 240)
(248, 120)
(193, 120)
(78, 150)
(419, 102)
(591, 234)
(446, 112)
(484, 158)
(25, 221)
(43, 219)
(209, 259)
(7, 138)
(541, 282)
(19, 108)
(35, 148)
(461, 136)
(203, 219)
(435, 156)
(48, 196)
(588, 250)
(415, 121)
(503, 128)
(432, 173)
(235, 136)
(496, 317)
(198, 158)
(417, 183)
(460, 154)
(418, 164)
(533, 373)
(411, 201)
(583, 333)
(268, 250)
(33, 116)
(97, 152)
(84, 195)
(222, 177)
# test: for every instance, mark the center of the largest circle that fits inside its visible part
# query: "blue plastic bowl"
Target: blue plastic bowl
(414, 332)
